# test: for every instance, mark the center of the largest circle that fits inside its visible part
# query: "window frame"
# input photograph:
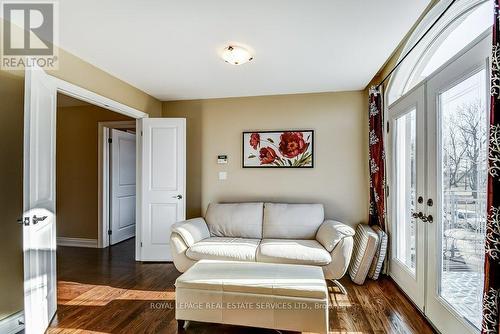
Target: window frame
(403, 80)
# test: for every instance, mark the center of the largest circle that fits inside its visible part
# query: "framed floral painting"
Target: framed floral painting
(278, 149)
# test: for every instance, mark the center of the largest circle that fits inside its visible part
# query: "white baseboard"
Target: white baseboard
(77, 242)
(12, 324)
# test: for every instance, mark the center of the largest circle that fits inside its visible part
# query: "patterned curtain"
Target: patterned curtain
(492, 257)
(377, 159)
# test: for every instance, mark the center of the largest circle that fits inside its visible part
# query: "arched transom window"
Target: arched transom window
(462, 24)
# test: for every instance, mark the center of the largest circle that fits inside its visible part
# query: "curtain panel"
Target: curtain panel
(491, 296)
(376, 158)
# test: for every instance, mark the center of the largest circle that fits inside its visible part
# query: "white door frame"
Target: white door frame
(103, 177)
(86, 95)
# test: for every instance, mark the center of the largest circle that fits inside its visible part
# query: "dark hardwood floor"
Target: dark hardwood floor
(106, 291)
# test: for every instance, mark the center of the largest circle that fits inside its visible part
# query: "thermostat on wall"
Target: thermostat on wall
(222, 159)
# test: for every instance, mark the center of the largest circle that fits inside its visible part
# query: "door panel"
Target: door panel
(163, 184)
(457, 143)
(39, 219)
(123, 185)
(408, 183)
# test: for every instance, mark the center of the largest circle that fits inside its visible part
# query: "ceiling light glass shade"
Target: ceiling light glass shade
(236, 55)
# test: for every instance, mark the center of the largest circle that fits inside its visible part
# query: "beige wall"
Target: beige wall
(338, 179)
(77, 168)
(76, 71)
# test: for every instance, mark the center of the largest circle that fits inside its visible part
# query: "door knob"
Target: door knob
(428, 219)
(178, 196)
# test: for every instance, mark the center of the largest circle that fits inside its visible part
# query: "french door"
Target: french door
(408, 167)
(438, 172)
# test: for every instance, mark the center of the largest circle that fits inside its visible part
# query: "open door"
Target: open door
(163, 178)
(123, 161)
(39, 219)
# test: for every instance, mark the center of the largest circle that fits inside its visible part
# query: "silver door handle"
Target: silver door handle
(36, 219)
(178, 196)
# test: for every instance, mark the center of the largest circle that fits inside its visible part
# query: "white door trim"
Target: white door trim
(86, 95)
(103, 177)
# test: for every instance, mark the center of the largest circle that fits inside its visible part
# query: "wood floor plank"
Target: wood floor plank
(106, 291)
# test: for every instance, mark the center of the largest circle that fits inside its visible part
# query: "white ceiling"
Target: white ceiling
(170, 49)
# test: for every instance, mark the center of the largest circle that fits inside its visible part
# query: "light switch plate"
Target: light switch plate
(222, 175)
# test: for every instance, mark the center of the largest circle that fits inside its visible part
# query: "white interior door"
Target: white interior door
(122, 188)
(457, 172)
(407, 138)
(163, 181)
(39, 218)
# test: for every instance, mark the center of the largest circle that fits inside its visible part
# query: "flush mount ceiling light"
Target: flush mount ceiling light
(236, 55)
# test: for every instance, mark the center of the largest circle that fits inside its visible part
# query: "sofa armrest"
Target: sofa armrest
(332, 232)
(191, 231)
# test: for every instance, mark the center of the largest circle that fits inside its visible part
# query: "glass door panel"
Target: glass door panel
(463, 192)
(406, 172)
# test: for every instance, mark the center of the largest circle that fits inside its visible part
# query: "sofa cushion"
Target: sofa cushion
(289, 251)
(239, 220)
(292, 221)
(365, 246)
(380, 253)
(221, 248)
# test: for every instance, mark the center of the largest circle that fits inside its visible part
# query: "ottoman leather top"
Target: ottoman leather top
(255, 278)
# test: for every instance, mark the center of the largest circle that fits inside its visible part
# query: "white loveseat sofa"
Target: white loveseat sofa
(264, 232)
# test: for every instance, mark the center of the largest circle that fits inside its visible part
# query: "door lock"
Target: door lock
(24, 221)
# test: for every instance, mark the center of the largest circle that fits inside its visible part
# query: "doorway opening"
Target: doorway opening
(95, 189)
(95, 174)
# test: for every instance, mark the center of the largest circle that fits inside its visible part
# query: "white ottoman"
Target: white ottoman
(268, 295)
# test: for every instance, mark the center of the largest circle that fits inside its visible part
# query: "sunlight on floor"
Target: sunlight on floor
(101, 295)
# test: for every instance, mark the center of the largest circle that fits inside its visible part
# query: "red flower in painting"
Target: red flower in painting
(292, 144)
(267, 155)
(255, 140)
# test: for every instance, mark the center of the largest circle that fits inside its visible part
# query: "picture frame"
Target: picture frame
(278, 149)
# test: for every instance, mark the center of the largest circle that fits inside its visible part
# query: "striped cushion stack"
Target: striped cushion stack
(370, 247)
